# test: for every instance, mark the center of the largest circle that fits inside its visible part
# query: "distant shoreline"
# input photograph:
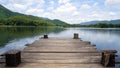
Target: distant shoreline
(17, 26)
(22, 26)
(65, 27)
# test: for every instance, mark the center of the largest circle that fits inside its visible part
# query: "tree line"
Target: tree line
(103, 25)
(33, 21)
(24, 21)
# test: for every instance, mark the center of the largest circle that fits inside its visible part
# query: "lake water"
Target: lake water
(17, 37)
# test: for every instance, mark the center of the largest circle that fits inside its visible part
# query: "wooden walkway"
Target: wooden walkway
(60, 53)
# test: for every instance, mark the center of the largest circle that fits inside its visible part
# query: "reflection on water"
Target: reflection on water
(16, 38)
(18, 44)
(103, 38)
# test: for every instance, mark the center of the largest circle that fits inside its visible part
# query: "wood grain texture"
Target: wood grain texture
(60, 53)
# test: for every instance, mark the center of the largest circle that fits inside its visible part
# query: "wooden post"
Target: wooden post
(27, 44)
(45, 36)
(88, 42)
(13, 58)
(93, 45)
(76, 36)
(108, 58)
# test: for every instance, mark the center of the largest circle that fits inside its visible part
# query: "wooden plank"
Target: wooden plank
(84, 51)
(61, 49)
(38, 65)
(60, 61)
(60, 45)
(60, 53)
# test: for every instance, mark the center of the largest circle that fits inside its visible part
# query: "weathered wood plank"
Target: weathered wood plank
(38, 65)
(64, 61)
(60, 53)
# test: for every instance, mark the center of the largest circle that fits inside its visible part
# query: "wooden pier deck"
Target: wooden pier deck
(60, 53)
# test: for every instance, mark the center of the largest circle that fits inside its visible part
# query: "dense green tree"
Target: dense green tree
(104, 25)
(24, 21)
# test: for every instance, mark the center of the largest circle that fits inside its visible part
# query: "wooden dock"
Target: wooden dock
(60, 53)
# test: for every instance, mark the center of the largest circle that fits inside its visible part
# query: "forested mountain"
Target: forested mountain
(89, 23)
(111, 22)
(8, 17)
(57, 22)
(103, 22)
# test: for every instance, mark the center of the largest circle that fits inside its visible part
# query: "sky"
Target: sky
(70, 11)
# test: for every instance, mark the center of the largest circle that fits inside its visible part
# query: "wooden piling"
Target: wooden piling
(27, 44)
(76, 36)
(108, 58)
(88, 42)
(93, 45)
(13, 58)
(45, 36)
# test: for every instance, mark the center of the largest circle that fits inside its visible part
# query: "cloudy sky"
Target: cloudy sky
(70, 11)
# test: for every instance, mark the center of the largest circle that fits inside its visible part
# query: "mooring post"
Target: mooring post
(45, 36)
(76, 36)
(27, 44)
(108, 58)
(13, 58)
(93, 45)
(88, 42)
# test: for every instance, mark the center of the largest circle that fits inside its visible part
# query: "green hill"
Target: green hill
(8, 17)
(102, 24)
(117, 21)
(57, 22)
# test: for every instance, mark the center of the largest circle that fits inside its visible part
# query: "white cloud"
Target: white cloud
(66, 10)
(22, 5)
(0, 0)
(36, 12)
(63, 1)
(95, 4)
(51, 5)
(52, 2)
(102, 15)
(85, 7)
(17, 7)
(70, 13)
(112, 13)
(23, 2)
(113, 3)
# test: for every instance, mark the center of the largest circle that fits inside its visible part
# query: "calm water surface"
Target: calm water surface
(16, 38)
